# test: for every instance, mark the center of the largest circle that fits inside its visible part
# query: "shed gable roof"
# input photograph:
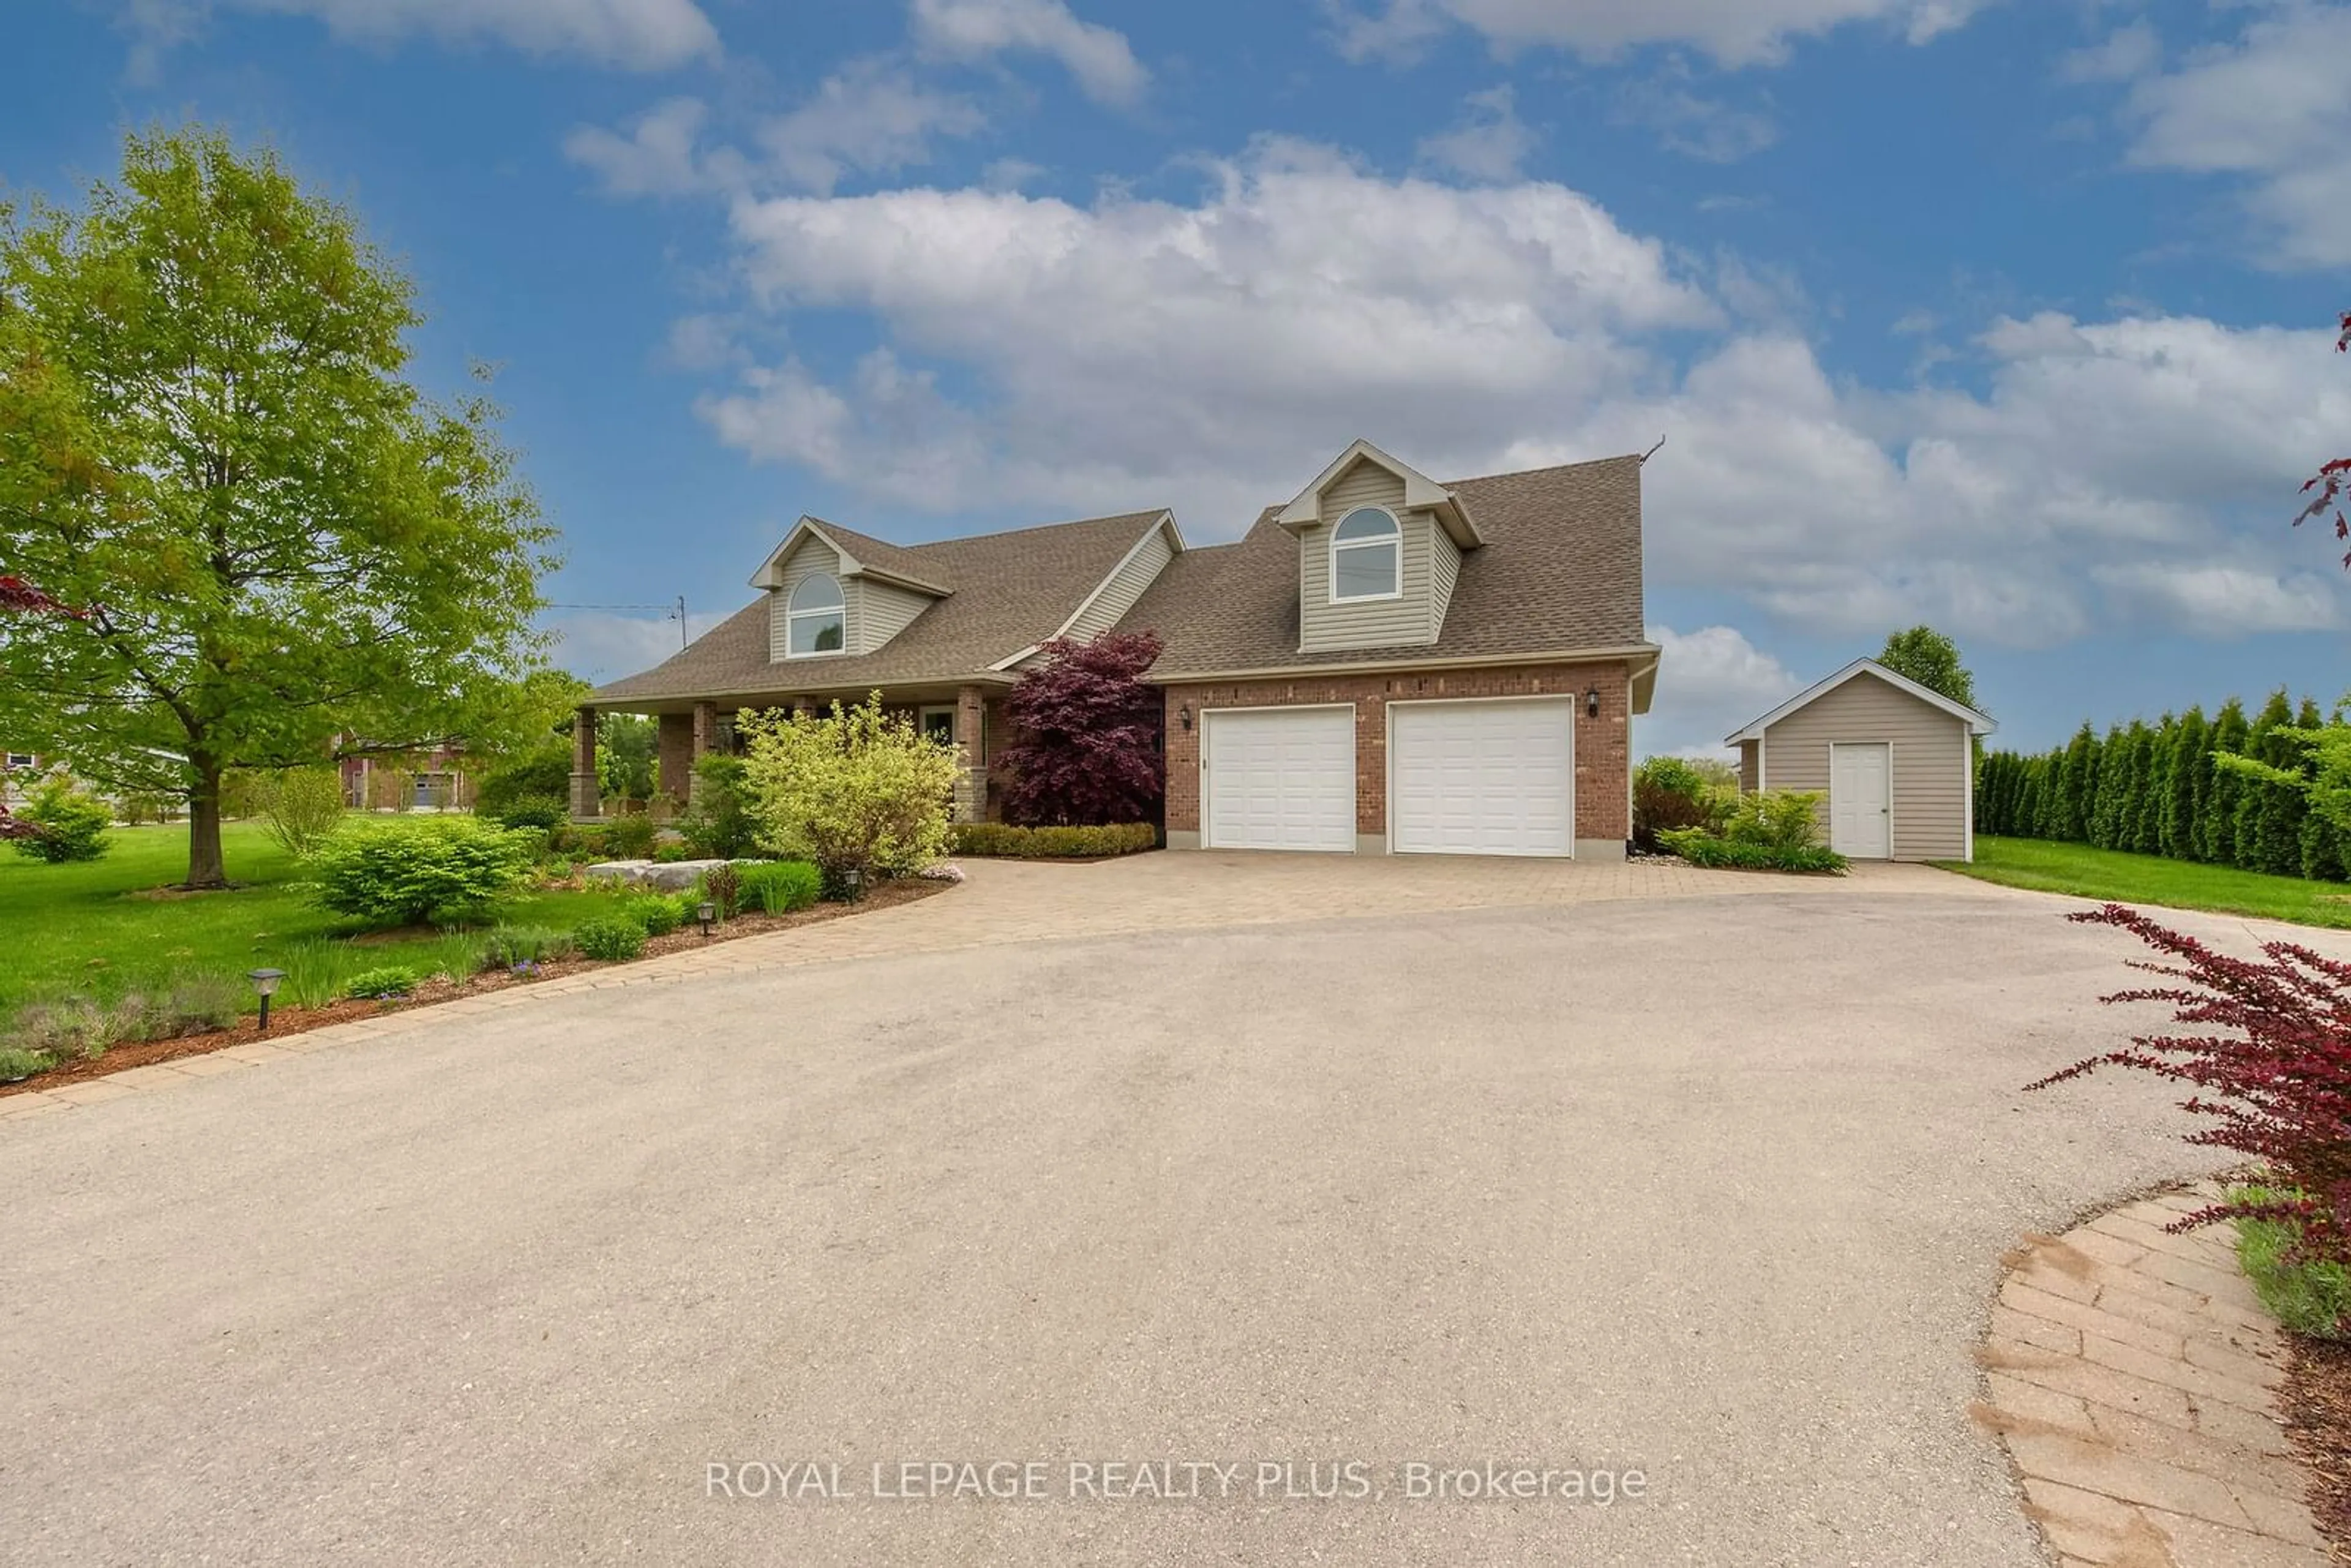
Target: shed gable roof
(1977, 723)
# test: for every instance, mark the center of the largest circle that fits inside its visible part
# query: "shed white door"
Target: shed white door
(1482, 778)
(1861, 802)
(1280, 779)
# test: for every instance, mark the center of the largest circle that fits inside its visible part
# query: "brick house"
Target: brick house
(1385, 664)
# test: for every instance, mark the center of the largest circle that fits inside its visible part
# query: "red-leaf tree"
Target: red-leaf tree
(2266, 1054)
(1086, 746)
(2325, 487)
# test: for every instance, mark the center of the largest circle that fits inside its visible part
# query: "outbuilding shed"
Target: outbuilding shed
(1894, 761)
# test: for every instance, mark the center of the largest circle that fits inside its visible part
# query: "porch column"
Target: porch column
(971, 734)
(587, 798)
(705, 740)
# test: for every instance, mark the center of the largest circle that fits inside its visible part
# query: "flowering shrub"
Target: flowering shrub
(2267, 1059)
(854, 789)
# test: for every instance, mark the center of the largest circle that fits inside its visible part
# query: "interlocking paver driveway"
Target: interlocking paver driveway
(1175, 1159)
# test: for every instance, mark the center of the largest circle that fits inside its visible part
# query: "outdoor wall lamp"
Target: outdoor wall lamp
(265, 982)
(706, 912)
(1183, 716)
(1592, 702)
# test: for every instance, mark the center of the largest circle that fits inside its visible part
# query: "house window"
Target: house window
(938, 724)
(816, 620)
(1366, 556)
(20, 759)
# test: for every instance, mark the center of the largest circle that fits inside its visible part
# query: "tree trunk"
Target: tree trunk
(205, 868)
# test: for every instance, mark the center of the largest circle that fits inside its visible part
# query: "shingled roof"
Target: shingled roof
(1560, 571)
(1010, 592)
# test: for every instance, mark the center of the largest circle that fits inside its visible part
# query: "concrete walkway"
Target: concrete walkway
(2133, 1375)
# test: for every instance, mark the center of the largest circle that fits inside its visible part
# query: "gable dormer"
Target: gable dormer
(1379, 547)
(826, 601)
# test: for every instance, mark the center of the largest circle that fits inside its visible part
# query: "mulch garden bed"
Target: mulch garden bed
(2317, 1400)
(284, 1021)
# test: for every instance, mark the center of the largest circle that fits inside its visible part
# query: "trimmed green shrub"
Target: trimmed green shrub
(778, 887)
(631, 836)
(670, 854)
(1775, 820)
(654, 914)
(1053, 844)
(583, 841)
(611, 940)
(399, 873)
(380, 984)
(854, 789)
(510, 944)
(1701, 848)
(72, 823)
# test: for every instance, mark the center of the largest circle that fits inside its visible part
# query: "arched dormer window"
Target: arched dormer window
(1366, 556)
(817, 620)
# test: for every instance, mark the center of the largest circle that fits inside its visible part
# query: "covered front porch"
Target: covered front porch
(968, 716)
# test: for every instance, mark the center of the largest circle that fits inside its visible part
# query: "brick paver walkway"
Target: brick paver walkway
(1013, 900)
(2132, 1374)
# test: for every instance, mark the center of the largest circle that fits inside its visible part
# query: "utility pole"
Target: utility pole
(681, 623)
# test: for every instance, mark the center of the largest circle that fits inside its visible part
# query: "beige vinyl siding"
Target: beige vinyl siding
(1930, 747)
(1403, 622)
(1750, 777)
(1445, 567)
(879, 611)
(811, 556)
(1125, 587)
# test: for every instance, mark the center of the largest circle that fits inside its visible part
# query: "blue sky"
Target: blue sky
(2010, 317)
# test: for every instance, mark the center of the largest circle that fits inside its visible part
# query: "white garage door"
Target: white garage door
(1280, 779)
(1483, 777)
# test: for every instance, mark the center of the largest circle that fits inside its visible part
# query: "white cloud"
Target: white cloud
(1734, 32)
(870, 118)
(2220, 601)
(1490, 142)
(2123, 55)
(2271, 109)
(1098, 56)
(659, 154)
(638, 34)
(1691, 124)
(1711, 681)
(1030, 354)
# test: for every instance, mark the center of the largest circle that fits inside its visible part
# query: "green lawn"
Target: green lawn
(2111, 875)
(88, 927)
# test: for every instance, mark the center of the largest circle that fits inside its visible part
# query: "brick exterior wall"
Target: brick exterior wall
(1602, 745)
(674, 775)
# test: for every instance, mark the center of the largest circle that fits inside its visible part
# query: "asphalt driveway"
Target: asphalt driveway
(1711, 1188)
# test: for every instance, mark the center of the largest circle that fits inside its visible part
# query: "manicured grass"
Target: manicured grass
(2113, 876)
(91, 927)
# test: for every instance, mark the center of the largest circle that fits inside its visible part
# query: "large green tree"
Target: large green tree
(280, 547)
(1932, 660)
